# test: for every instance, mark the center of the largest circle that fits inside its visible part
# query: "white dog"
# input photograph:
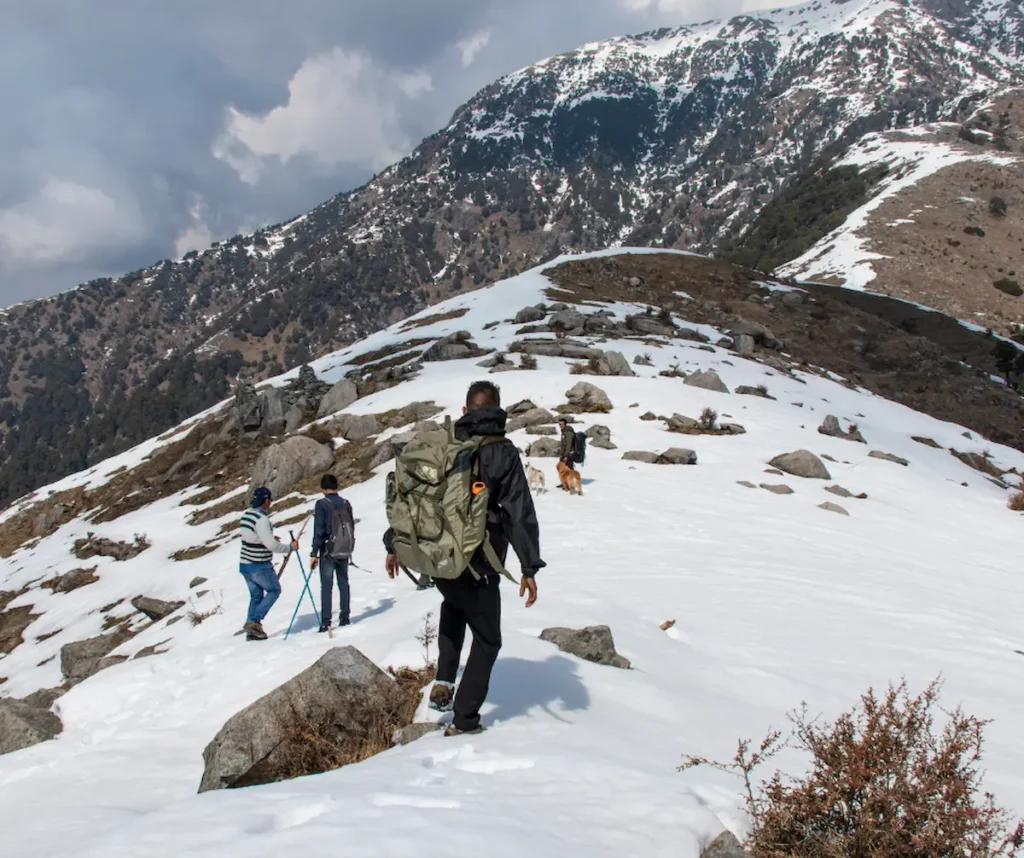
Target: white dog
(535, 478)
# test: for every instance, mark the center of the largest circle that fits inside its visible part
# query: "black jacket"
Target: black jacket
(511, 517)
(322, 514)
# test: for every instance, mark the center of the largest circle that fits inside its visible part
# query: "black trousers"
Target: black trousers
(476, 605)
(330, 568)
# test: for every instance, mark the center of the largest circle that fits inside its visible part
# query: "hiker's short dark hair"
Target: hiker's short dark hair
(481, 394)
(329, 482)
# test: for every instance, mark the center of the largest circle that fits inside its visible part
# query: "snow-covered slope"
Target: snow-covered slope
(776, 601)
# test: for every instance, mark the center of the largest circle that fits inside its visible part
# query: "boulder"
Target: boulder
(732, 428)
(342, 395)
(648, 416)
(413, 732)
(496, 360)
(643, 360)
(888, 457)
(521, 407)
(979, 463)
(777, 488)
(928, 442)
(832, 507)
(541, 430)
(533, 417)
(614, 363)
(791, 297)
(529, 314)
(707, 380)
(567, 320)
(649, 326)
(677, 456)
(724, 846)
(22, 725)
(13, 623)
(272, 407)
(544, 448)
(555, 348)
(587, 396)
(593, 643)
(71, 581)
(801, 463)
(306, 389)
(294, 418)
(759, 333)
(683, 424)
(754, 391)
(444, 350)
(600, 437)
(640, 456)
(691, 335)
(744, 345)
(248, 410)
(839, 491)
(282, 466)
(44, 698)
(746, 484)
(196, 582)
(830, 426)
(355, 427)
(415, 412)
(341, 698)
(155, 609)
(82, 659)
(311, 455)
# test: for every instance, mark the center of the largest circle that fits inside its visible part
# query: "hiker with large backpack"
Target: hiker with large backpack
(334, 540)
(456, 501)
(259, 545)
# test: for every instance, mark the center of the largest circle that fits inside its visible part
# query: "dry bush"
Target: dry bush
(527, 361)
(674, 371)
(1016, 501)
(99, 546)
(708, 419)
(577, 369)
(598, 408)
(883, 782)
(196, 617)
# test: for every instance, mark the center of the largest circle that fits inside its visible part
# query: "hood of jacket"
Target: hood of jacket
(489, 420)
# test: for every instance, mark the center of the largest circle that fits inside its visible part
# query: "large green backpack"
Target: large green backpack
(437, 505)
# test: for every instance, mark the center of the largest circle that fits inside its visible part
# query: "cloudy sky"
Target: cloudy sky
(135, 130)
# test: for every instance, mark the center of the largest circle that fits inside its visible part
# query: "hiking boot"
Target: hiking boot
(344, 621)
(442, 696)
(324, 627)
(249, 636)
(255, 631)
(452, 730)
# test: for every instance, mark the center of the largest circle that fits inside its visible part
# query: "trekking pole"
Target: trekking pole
(419, 584)
(305, 591)
(302, 530)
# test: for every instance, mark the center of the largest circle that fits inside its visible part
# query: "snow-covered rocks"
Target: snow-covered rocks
(601, 437)
(22, 725)
(588, 397)
(671, 456)
(707, 380)
(802, 463)
(830, 426)
(341, 699)
(82, 659)
(593, 643)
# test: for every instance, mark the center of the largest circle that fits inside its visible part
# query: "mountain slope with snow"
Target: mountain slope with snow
(776, 601)
(677, 138)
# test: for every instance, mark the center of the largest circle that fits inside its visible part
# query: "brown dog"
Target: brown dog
(569, 478)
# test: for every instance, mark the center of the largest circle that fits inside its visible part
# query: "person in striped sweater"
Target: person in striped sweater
(258, 547)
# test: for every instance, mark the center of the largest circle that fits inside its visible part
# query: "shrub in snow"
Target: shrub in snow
(884, 780)
(708, 418)
(997, 206)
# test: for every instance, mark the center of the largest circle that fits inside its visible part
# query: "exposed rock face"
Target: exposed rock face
(23, 725)
(13, 623)
(555, 348)
(342, 395)
(587, 396)
(706, 379)
(272, 409)
(155, 609)
(247, 404)
(340, 698)
(82, 659)
(282, 466)
(802, 463)
(593, 643)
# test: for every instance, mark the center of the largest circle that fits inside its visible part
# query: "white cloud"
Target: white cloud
(689, 10)
(65, 222)
(472, 45)
(341, 109)
(196, 236)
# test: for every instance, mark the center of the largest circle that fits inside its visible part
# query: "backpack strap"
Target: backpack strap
(489, 553)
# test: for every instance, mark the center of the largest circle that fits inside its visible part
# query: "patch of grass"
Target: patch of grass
(388, 351)
(48, 635)
(71, 581)
(437, 317)
(235, 503)
(195, 552)
(99, 546)
(598, 408)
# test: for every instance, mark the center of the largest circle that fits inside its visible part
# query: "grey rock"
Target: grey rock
(744, 345)
(777, 488)
(247, 406)
(648, 416)
(649, 326)
(22, 725)
(558, 306)
(416, 412)
(533, 417)
(155, 609)
(555, 348)
(342, 395)
(746, 484)
(82, 659)
(294, 418)
(706, 380)
(272, 407)
(682, 423)
(928, 442)
(760, 334)
(792, 299)
(282, 466)
(839, 491)
(746, 390)
(413, 732)
(593, 643)
(732, 428)
(888, 457)
(195, 582)
(641, 360)
(529, 314)
(600, 437)
(521, 407)
(691, 335)
(802, 463)
(832, 507)
(355, 427)
(495, 360)
(567, 320)
(442, 351)
(544, 448)
(677, 456)
(639, 456)
(44, 698)
(633, 282)
(151, 650)
(724, 846)
(979, 463)
(830, 426)
(541, 430)
(340, 697)
(616, 364)
(586, 396)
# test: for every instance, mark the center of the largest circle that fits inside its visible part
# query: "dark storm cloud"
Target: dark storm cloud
(135, 129)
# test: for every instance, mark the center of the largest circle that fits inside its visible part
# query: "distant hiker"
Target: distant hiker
(567, 442)
(488, 480)
(334, 540)
(258, 547)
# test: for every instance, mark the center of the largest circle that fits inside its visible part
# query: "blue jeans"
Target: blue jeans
(329, 567)
(263, 589)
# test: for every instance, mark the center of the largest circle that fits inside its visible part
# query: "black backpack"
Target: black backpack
(579, 448)
(342, 541)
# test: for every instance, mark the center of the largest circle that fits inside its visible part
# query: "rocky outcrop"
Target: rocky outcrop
(13, 622)
(758, 333)
(272, 411)
(707, 380)
(529, 314)
(532, 417)
(593, 643)
(600, 437)
(802, 463)
(979, 463)
(649, 326)
(343, 700)
(342, 395)
(888, 457)
(82, 659)
(830, 426)
(588, 397)
(571, 349)
(71, 581)
(99, 546)
(248, 409)
(452, 347)
(282, 466)
(22, 725)
(155, 609)
(724, 846)
(355, 427)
